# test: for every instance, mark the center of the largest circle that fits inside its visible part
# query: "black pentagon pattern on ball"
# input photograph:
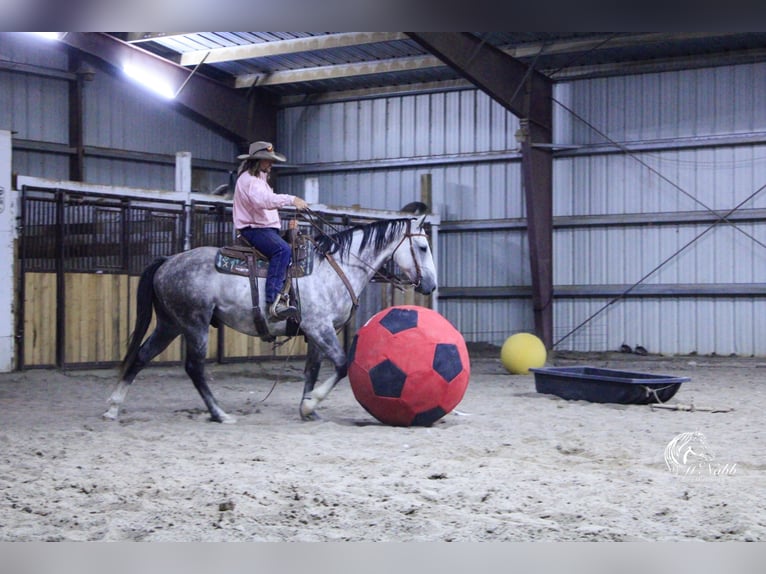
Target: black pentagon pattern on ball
(397, 320)
(447, 361)
(429, 417)
(387, 379)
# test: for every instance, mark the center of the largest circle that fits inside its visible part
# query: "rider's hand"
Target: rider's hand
(299, 203)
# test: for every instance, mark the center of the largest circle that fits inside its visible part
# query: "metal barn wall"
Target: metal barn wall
(121, 115)
(653, 155)
(130, 135)
(374, 152)
(35, 107)
(660, 153)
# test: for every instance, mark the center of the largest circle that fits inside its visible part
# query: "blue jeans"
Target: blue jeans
(269, 242)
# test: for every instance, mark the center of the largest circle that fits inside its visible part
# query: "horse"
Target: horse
(188, 294)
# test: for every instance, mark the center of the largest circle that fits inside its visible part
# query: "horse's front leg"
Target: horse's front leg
(329, 346)
(310, 374)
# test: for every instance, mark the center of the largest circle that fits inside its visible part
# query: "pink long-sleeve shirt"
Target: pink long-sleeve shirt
(256, 204)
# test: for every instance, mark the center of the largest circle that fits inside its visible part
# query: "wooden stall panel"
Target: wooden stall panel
(96, 317)
(39, 319)
(100, 317)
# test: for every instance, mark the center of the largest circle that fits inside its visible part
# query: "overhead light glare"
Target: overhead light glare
(50, 35)
(152, 81)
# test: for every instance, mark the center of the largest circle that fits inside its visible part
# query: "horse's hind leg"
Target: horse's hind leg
(157, 342)
(195, 367)
(328, 345)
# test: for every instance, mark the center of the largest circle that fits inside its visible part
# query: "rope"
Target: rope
(651, 391)
(657, 267)
(720, 218)
(279, 374)
(656, 172)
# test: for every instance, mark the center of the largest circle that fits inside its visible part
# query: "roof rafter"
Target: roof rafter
(294, 46)
(337, 71)
(239, 116)
(409, 63)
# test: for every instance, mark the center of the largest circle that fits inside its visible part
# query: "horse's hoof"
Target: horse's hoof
(224, 419)
(307, 408)
(312, 416)
(110, 415)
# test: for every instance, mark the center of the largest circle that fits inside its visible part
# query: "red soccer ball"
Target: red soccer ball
(408, 365)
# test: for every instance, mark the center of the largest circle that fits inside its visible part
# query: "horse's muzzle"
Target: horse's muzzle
(426, 286)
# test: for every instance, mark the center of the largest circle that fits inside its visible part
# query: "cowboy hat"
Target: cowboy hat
(262, 150)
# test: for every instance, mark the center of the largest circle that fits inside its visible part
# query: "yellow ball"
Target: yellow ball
(521, 352)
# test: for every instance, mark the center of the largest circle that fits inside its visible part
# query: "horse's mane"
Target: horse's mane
(379, 233)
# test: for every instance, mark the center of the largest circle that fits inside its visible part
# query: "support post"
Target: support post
(537, 176)
(76, 139)
(7, 240)
(528, 95)
(183, 184)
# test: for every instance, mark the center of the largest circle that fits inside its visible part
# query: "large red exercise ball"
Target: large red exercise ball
(408, 365)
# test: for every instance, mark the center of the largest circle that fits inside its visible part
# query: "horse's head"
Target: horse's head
(414, 257)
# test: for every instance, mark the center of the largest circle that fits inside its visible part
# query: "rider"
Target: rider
(256, 218)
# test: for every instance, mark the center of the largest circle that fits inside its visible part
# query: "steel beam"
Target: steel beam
(243, 117)
(528, 95)
(292, 46)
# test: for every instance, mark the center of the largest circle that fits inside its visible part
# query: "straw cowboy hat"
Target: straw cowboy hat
(262, 150)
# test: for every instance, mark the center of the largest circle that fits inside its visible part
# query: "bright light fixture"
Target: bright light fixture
(152, 81)
(49, 35)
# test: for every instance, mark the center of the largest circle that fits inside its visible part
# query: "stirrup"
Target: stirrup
(280, 310)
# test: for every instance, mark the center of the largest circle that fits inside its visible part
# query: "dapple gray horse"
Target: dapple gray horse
(187, 294)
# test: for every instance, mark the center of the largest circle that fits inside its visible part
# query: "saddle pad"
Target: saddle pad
(236, 266)
(228, 260)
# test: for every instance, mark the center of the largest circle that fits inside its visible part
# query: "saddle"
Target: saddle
(245, 260)
(233, 259)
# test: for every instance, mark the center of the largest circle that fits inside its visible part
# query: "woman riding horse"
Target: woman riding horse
(257, 220)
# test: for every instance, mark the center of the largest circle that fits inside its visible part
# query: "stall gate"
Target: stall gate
(80, 256)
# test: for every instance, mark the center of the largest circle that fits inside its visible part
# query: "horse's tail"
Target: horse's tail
(144, 306)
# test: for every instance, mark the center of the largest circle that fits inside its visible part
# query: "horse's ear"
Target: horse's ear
(420, 221)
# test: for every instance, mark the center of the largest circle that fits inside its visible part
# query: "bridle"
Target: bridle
(418, 272)
(388, 277)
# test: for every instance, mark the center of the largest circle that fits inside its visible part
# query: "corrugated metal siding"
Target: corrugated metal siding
(429, 125)
(700, 325)
(31, 106)
(684, 107)
(29, 49)
(660, 181)
(118, 115)
(409, 128)
(121, 115)
(125, 174)
(677, 109)
(402, 128)
(485, 321)
(54, 166)
(645, 107)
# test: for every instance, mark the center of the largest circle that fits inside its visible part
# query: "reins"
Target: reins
(312, 216)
